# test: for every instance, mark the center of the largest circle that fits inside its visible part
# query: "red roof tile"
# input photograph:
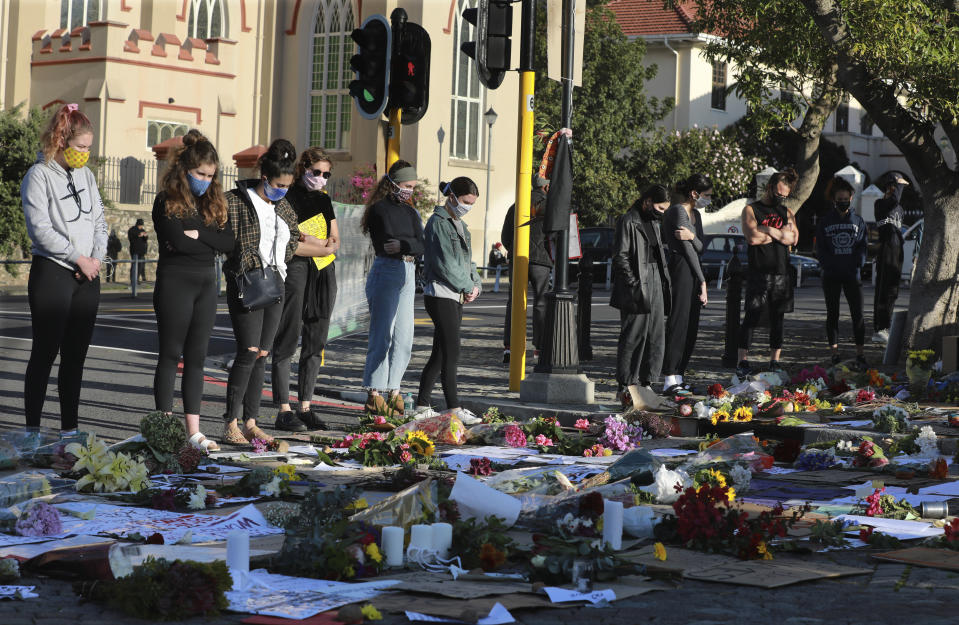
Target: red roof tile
(648, 17)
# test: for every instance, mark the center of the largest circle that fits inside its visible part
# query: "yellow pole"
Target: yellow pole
(520, 252)
(393, 144)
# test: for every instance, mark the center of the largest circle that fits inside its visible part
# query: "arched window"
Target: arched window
(207, 19)
(466, 108)
(75, 13)
(330, 102)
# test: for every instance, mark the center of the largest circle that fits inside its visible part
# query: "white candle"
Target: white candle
(613, 524)
(421, 537)
(238, 550)
(393, 545)
(442, 539)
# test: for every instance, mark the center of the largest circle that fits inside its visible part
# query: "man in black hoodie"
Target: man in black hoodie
(889, 259)
(540, 263)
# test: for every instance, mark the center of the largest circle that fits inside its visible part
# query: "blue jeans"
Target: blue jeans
(390, 290)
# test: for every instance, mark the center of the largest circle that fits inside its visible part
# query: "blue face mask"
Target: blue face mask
(197, 186)
(273, 194)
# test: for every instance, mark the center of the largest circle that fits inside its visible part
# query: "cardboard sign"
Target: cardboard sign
(316, 226)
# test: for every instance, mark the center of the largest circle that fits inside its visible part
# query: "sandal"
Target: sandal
(376, 405)
(233, 435)
(397, 404)
(201, 442)
(256, 432)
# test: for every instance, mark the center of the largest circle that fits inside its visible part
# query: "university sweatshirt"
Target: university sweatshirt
(64, 224)
(841, 245)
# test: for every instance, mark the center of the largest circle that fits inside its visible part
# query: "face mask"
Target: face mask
(779, 198)
(403, 195)
(271, 193)
(313, 183)
(461, 209)
(75, 158)
(703, 202)
(842, 207)
(198, 186)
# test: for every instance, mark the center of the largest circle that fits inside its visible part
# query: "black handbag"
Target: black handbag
(260, 288)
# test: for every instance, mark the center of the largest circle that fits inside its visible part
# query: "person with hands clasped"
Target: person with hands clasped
(309, 295)
(396, 230)
(683, 232)
(68, 231)
(451, 281)
(770, 230)
(190, 219)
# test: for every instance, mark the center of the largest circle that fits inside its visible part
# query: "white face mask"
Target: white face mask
(461, 209)
(703, 202)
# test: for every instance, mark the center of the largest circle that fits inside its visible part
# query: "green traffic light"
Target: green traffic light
(367, 96)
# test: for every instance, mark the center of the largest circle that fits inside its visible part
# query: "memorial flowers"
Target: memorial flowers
(869, 454)
(890, 419)
(39, 519)
(619, 435)
(107, 471)
(514, 436)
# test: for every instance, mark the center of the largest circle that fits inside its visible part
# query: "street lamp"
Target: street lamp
(440, 135)
(490, 117)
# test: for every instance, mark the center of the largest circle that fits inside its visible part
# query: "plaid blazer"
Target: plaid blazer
(246, 226)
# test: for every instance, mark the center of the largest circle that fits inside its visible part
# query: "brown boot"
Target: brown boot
(376, 405)
(397, 405)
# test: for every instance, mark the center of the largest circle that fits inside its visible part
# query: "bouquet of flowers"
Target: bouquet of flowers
(919, 366)
(39, 519)
(481, 543)
(191, 498)
(869, 454)
(106, 471)
(619, 435)
(890, 419)
(817, 460)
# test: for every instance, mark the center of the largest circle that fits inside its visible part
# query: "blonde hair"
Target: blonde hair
(68, 122)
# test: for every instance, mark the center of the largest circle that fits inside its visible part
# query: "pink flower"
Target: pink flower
(581, 424)
(514, 436)
(588, 453)
(405, 457)
(379, 420)
(543, 440)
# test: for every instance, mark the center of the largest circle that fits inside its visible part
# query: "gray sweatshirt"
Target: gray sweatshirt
(60, 228)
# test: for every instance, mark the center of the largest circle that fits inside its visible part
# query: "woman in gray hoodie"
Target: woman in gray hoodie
(64, 215)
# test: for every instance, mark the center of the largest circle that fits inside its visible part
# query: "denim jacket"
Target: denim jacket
(447, 255)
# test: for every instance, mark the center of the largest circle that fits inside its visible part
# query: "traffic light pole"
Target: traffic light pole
(524, 181)
(393, 140)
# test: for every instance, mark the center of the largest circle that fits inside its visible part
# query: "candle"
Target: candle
(613, 524)
(421, 537)
(442, 539)
(393, 545)
(238, 550)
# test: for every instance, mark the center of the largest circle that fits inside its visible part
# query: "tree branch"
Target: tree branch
(916, 139)
(822, 103)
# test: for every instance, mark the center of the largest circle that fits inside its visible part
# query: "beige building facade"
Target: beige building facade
(245, 72)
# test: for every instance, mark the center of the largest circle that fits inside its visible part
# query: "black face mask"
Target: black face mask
(843, 207)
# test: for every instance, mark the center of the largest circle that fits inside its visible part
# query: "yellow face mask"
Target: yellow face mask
(75, 158)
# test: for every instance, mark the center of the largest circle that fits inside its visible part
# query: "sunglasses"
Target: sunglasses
(317, 173)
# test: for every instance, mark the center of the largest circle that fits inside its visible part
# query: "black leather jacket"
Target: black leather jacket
(635, 268)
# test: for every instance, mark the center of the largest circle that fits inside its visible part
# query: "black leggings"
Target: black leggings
(682, 325)
(185, 304)
(63, 312)
(314, 331)
(831, 288)
(765, 290)
(888, 275)
(256, 329)
(447, 316)
(539, 283)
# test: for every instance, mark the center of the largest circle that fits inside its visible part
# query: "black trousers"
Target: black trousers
(831, 289)
(63, 312)
(888, 274)
(138, 268)
(682, 325)
(294, 324)
(639, 354)
(447, 316)
(184, 301)
(765, 290)
(256, 328)
(539, 283)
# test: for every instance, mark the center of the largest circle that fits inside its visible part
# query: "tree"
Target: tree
(610, 113)
(900, 60)
(19, 144)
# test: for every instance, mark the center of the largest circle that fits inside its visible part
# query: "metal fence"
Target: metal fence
(131, 180)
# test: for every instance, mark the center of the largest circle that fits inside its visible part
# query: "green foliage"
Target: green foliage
(611, 111)
(829, 533)
(165, 591)
(481, 545)
(19, 144)
(164, 432)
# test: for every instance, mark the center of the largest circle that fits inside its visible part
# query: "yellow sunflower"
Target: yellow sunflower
(743, 413)
(420, 443)
(720, 416)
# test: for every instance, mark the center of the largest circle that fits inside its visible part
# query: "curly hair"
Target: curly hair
(310, 156)
(180, 201)
(68, 122)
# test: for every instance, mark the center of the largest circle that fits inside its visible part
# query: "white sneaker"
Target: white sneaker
(423, 412)
(467, 417)
(881, 337)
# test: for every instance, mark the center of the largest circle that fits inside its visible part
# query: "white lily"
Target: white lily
(197, 498)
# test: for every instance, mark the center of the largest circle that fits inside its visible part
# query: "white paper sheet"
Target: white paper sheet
(22, 592)
(779, 470)
(477, 500)
(947, 488)
(669, 453)
(494, 451)
(562, 595)
(497, 616)
(30, 550)
(903, 530)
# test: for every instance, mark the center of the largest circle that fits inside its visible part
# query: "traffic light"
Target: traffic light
(410, 71)
(372, 66)
(493, 20)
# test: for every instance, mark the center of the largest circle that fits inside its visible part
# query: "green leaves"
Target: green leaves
(19, 144)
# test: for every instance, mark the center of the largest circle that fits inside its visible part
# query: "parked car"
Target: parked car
(597, 244)
(718, 249)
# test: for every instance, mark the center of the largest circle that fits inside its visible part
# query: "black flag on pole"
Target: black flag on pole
(560, 196)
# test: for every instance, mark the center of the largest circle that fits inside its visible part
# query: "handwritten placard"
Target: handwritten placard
(316, 226)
